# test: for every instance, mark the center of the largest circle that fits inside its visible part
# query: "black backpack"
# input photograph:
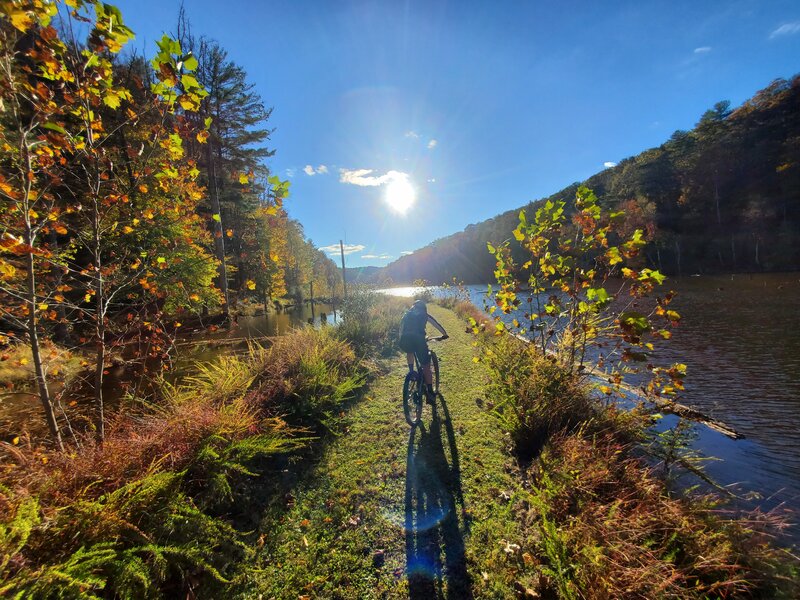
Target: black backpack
(413, 322)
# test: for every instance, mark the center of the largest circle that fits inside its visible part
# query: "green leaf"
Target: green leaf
(189, 82)
(217, 218)
(635, 321)
(55, 127)
(190, 63)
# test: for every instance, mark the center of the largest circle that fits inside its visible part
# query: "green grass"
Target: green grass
(379, 500)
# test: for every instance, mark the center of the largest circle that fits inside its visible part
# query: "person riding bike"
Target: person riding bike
(412, 341)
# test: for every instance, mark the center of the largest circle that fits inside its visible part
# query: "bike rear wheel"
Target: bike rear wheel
(412, 398)
(435, 367)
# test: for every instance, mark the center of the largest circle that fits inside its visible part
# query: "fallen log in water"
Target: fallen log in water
(667, 406)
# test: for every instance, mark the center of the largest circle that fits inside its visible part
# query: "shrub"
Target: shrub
(371, 321)
(308, 375)
(534, 396)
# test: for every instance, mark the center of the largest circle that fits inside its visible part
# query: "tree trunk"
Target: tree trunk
(33, 334)
(678, 256)
(100, 333)
(33, 338)
(219, 232)
(758, 264)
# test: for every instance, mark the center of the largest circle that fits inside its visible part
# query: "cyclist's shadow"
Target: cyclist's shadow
(433, 504)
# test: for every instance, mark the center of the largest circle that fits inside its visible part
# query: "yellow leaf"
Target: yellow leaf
(127, 229)
(251, 285)
(147, 214)
(15, 441)
(43, 306)
(136, 222)
(7, 270)
(44, 460)
(87, 298)
(202, 136)
(19, 18)
(243, 179)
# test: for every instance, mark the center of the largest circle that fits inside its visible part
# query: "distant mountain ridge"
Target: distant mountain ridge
(723, 197)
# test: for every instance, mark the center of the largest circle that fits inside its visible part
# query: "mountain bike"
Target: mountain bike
(414, 386)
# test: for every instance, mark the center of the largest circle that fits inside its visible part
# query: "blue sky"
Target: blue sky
(478, 106)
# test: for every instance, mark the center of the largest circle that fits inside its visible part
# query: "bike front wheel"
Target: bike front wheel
(412, 398)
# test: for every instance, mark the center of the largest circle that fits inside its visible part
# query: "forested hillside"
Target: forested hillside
(723, 197)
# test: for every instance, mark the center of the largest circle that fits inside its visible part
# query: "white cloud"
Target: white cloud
(432, 180)
(378, 256)
(432, 144)
(291, 172)
(702, 50)
(786, 29)
(406, 252)
(333, 249)
(412, 134)
(311, 171)
(608, 164)
(364, 178)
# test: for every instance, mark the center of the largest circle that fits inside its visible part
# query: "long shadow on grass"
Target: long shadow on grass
(434, 500)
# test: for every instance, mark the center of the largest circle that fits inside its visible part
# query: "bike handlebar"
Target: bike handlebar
(437, 339)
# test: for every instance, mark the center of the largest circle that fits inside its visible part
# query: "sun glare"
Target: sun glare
(400, 195)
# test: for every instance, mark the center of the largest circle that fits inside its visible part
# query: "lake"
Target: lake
(740, 338)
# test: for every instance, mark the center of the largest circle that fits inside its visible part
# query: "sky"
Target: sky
(457, 111)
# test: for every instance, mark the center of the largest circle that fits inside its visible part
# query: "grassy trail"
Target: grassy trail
(388, 512)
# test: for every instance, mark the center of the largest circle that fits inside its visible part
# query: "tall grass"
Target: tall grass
(140, 516)
(371, 321)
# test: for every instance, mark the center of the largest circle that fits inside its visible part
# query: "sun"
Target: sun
(400, 195)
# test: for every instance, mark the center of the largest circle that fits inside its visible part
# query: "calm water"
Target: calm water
(740, 338)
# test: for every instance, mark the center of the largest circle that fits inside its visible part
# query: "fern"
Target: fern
(220, 459)
(14, 535)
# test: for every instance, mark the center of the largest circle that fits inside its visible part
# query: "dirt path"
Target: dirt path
(390, 512)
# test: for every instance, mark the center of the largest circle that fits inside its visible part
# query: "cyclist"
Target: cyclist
(412, 341)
